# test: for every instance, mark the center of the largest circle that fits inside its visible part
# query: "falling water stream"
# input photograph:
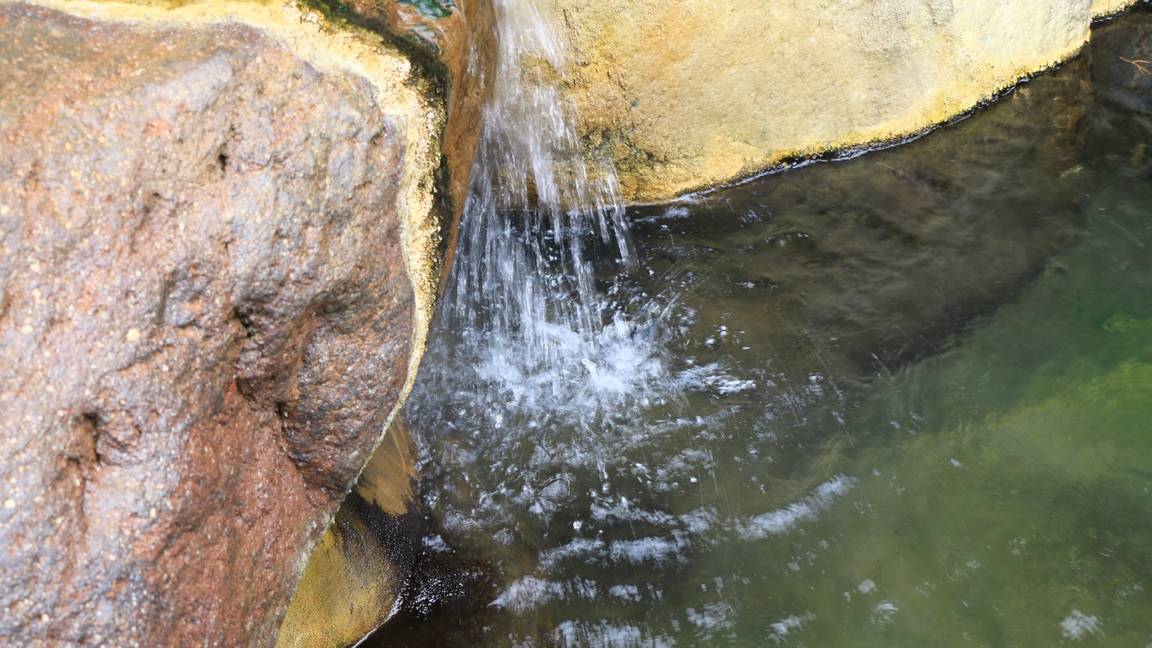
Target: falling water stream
(521, 292)
(900, 400)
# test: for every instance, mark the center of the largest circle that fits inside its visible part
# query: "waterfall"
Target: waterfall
(534, 201)
(546, 358)
(521, 310)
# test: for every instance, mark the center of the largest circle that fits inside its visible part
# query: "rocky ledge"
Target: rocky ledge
(689, 94)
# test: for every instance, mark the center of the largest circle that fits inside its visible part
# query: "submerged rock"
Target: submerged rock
(217, 262)
(690, 94)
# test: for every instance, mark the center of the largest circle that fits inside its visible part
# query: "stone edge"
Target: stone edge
(882, 138)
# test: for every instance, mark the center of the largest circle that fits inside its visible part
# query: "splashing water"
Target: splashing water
(535, 201)
(544, 368)
(522, 315)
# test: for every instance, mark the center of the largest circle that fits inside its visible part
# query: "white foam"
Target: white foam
(531, 592)
(699, 521)
(1078, 625)
(789, 625)
(783, 520)
(657, 550)
(527, 594)
(625, 592)
(712, 618)
(609, 634)
(579, 549)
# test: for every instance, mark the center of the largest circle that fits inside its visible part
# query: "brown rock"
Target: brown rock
(205, 321)
(457, 41)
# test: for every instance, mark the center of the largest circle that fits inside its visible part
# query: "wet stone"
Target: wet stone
(205, 321)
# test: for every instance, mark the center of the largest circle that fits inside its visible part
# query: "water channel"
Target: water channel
(898, 400)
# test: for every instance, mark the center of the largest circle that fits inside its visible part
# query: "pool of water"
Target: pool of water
(900, 400)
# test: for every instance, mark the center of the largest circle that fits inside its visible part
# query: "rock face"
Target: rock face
(689, 94)
(355, 578)
(212, 296)
(457, 39)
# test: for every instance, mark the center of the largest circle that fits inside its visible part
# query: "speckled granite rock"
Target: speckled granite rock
(209, 308)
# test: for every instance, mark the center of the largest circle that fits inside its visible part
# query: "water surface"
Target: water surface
(902, 400)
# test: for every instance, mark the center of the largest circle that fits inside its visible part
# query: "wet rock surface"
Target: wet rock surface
(455, 41)
(356, 577)
(205, 322)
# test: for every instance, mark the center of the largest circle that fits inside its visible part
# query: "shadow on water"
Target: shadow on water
(900, 400)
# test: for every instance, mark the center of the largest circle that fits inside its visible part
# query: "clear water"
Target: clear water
(903, 400)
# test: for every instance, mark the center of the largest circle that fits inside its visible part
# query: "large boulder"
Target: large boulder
(355, 579)
(688, 94)
(217, 263)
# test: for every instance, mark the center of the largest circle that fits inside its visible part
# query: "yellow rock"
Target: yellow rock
(344, 590)
(687, 94)
(352, 584)
(1102, 8)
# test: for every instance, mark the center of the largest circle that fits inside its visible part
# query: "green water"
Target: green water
(902, 400)
(1002, 486)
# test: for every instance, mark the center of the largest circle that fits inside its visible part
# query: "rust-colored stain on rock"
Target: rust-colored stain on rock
(204, 323)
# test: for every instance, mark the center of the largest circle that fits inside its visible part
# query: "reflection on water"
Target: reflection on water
(904, 400)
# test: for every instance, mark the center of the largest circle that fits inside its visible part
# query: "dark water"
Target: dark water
(903, 400)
